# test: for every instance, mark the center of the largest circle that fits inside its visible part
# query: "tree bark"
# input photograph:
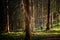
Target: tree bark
(32, 15)
(48, 14)
(28, 20)
(57, 9)
(23, 15)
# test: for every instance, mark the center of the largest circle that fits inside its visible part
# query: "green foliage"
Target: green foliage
(12, 36)
(42, 35)
(56, 26)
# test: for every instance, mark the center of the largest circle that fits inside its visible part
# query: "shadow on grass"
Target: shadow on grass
(12, 36)
(21, 36)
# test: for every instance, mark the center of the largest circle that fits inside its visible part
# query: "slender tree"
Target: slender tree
(32, 15)
(51, 7)
(23, 15)
(7, 10)
(42, 14)
(48, 14)
(57, 9)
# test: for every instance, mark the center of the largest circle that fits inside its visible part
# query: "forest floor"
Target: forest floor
(52, 34)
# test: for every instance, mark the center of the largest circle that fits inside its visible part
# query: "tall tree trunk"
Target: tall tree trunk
(28, 20)
(8, 23)
(51, 20)
(57, 8)
(42, 15)
(23, 15)
(7, 8)
(32, 15)
(48, 14)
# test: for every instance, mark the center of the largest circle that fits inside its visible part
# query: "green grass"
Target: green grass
(12, 36)
(37, 35)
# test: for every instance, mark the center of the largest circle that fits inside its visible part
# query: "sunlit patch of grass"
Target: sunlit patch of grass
(35, 35)
(13, 36)
(14, 33)
(57, 29)
(47, 32)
